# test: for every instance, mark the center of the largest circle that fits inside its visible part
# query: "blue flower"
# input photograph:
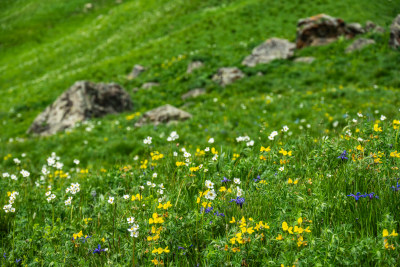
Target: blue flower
(371, 195)
(397, 187)
(258, 178)
(225, 180)
(98, 250)
(239, 201)
(357, 196)
(4, 255)
(343, 155)
(17, 260)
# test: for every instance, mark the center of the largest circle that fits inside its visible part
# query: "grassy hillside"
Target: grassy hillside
(46, 46)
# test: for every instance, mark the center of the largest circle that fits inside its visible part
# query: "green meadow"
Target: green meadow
(295, 164)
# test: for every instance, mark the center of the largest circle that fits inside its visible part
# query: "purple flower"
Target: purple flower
(371, 195)
(258, 178)
(179, 247)
(225, 180)
(98, 250)
(343, 155)
(239, 201)
(4, 255)
(397, 187)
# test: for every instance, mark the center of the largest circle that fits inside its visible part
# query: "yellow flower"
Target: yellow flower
(167, 205)
(235, 249)
(285, 226)
(394, 233)
(279, 237)
(263, 149)
(300, 220)
(377, 128)
(233, 220)
(360, 148)
(385, 233)
(179, 163)
(232, 240)
(250, 230)
(222, 189)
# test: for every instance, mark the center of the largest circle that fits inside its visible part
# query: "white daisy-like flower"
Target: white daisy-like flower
(207, 149)
(76, 161)
(211, 195)
(48, 193)
(211, 140)
(383, 117)
(155, 175)
(148, 183)
(251, 143)
(130, 220)
(285, 128)
(175, 154)
(282, 168)
(25, 173)
(209, 184)
(239, 191)
(111, 200)
(147, 141)
(236, 180)
(215, 157)
(126, 197)
(6, 174)
(359, 114)
(17, 161)
(14, 177)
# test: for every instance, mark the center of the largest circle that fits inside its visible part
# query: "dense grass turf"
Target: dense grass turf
(46, 46)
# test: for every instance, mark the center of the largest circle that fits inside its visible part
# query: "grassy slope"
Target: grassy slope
(47, 46)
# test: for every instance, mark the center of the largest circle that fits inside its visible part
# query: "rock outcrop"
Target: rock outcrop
(83, 100)
(323, 29)
(163, 114)
(394, 41)
(226, 76)
(271, 49)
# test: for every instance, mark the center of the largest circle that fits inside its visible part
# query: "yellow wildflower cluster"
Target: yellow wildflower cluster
(395, 154)
(396, 124)
(385, 233)
(200, 152)
(143, 164)
(60, 174)
(160, 250)
(377, 128)
(243, 236)
(132, 116)
(156, 155)
(285, 153)
(235, 156)
(194, 169)
(137, 197)
(180, 163)
(297, 229)
(6, 157)
(164, 206)
(87, 220)
(214, 151)
(156, 232)
(156, 219)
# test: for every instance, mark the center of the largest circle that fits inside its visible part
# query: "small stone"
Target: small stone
(394, 40)
(194, 93)
(136, 71)
(308, 60)
(194, 66)
(359, 44)
(163, 114)
(149, 85)
(226, 76)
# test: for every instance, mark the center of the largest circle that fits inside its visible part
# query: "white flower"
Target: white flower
(173, 136)
(23, 155)
(282, 168)
(239, 192)
(53, 196)
(209, 184)
(272, 135)
(155, 175)
(141, 187)
(359, 139)
(135, 158)
(160, 191)
(147, 141)
(285, 128)
(148, 183)
(211, 195)
(335, 124)
(14, 177)
(51, 161)
(25, 173)
(133, 228)
(186, 154)
(242, 139)
(153, 185)
(134, 234)
(383, 118)
(111, 200)
(68, 201)
(211, 140)
(59, 165)
(354, 120)
(48, 193)
(236, 180)
(207, 149)
(251, 143)
(161, 186)
(76, 161)
(45, 171)
(6, 174)
(131, 220)
(215, 157)
(17, 161)
(126, 197)
(359, 114)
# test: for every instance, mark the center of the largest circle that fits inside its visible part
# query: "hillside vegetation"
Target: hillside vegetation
(230, 194)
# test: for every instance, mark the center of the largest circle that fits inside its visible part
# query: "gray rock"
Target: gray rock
(323, 29)
(149, 85)
(194, 93)
(359, 44)
(271, 49)
(372, 27)
(226, 76)
(394, 41)
(136, 71)
(355, 28)
(308, 60)
(163, 114)
(194, 65)
(83, 100)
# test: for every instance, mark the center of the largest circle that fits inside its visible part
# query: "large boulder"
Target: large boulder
(323, 29)
(81, 101)
(359, 44)
(163, 114)
(226, 76)
(136, 71)
(271, 49)
(394, 41)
